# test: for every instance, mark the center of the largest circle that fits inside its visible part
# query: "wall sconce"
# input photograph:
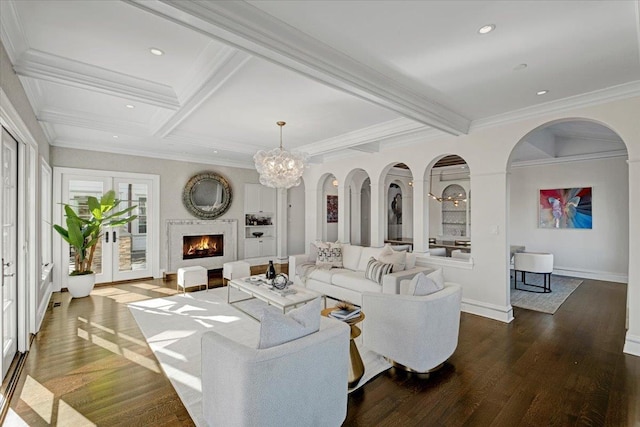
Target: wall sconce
(334, 182)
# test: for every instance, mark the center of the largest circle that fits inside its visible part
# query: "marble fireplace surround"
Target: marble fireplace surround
(176, 228)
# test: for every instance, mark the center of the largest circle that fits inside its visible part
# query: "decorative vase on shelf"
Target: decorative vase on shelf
(271, 273)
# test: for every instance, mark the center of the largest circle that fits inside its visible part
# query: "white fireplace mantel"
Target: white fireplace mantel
(176, 228)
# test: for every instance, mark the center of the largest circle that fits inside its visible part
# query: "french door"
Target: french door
(125, 252)
(9, 243)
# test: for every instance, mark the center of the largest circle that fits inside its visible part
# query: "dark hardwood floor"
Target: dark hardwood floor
(91, 365)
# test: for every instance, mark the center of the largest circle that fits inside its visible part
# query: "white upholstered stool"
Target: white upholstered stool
(192, 276)
(236, 270)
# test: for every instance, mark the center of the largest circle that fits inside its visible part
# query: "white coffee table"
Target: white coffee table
(256, 288)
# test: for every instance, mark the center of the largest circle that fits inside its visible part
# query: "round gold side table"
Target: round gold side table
(356, 367)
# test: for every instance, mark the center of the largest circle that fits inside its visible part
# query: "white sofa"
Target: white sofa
(301, 382)
(349, 282)
(419, 332)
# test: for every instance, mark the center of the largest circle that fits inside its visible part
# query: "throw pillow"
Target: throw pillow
(438, 277)
(422, 285)
(276, 328)
(398, 259)
(329, 255)
(313, 252)
(376, 270)
(411, 261)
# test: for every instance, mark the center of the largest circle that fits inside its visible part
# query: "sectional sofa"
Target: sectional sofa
(346, 280)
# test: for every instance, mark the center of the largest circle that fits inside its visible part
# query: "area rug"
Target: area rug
(173, 327)
(561, 288)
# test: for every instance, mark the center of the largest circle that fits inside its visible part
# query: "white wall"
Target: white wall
(173, 177)
(602, 252)
(487, 149)
(295, 220)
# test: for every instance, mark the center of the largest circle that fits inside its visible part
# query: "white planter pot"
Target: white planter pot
(81, 286)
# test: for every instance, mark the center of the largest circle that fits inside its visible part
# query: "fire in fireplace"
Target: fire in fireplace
(202, 246)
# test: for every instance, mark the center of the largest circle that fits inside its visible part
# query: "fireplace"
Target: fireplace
(185, 243)
(202, 246)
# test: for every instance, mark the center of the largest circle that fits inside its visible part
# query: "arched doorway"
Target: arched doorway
(550, 170)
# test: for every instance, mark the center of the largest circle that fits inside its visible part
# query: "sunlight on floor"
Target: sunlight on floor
(143, 361)
(41, 400)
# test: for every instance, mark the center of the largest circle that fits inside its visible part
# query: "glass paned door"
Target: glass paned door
(9, 250)
(123, 251)
(131, 245)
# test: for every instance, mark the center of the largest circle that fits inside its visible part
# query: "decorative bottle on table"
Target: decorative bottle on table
(271, 273)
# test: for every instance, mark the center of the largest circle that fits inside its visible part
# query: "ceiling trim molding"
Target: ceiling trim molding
(79, 145)
(13, 36)
(371, 147)
(568, 159)
(49, 131)
(53, 68)
(187, 138)
(221, 69)
(248, 28)
(393, 128)
(91, 121)
(623, 91)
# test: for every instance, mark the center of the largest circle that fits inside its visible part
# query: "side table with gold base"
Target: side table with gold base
(356, 367)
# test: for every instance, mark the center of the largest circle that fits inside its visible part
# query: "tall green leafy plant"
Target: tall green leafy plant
(84, 234)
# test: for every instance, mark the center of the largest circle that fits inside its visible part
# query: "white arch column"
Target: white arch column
(420, 217)
(312, 224)
(378, 215)
(281, 224)
(355, 215)
(344, 202)
(408, 213)
(632, 339)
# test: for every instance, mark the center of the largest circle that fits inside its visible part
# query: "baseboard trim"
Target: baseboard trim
(491, 311)
(632, 345)
(591, 274)
(42, 309)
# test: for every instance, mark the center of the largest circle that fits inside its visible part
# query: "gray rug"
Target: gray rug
(561, 288)
(173, 326)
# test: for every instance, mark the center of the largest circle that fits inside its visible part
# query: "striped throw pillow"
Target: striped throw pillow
(376, 269)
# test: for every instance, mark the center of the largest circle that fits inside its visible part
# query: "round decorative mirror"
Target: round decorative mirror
(207, 195)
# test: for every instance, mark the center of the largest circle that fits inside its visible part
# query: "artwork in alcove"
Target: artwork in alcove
(565, 208)
(332, 208)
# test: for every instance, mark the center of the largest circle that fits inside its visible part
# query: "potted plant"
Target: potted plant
(84, 234)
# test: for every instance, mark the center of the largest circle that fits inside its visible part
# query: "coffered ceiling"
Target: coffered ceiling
(344, 75)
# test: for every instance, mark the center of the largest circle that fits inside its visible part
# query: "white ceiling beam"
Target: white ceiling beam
(53, 68)
(222, 67)
(190, 139)
(246, 27)
(372, 147)
(368, 135)
(92, 121)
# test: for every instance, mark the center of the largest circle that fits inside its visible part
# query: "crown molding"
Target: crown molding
(376, 133)
(568, 159)
(212, 77)
(187, 138)
(246, 27)
(53, 68)
(371, 147)
(49, 131)
(613, 93)
(13, 36)
(91, 121)
(112, 149)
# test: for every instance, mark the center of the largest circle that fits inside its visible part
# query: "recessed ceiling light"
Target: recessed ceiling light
(486, 29)
(116, 136)
(156, 51)
(215, 151)
(131, 106)
(519, 67)
(542, 92)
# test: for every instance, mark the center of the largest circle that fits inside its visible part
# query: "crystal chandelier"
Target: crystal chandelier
(279, 168)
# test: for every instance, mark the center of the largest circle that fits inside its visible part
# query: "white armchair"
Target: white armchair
(419, 332)
(301, 382)
(533, 262)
